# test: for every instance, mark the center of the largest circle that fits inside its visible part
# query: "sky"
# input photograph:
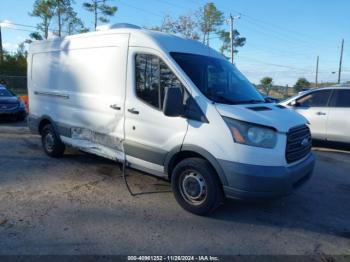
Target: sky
(284, 37)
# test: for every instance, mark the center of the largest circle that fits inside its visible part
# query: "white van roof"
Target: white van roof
(138, 37)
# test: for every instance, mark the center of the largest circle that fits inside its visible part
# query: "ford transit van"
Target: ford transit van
(168, 106)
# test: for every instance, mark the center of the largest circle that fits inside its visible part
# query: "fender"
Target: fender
(200, 151)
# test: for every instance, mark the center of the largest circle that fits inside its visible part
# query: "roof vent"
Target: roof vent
(117, 26)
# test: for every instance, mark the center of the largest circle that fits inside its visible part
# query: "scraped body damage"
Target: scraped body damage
(96, 143)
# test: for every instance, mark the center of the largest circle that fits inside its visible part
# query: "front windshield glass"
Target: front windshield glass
(217, 79)
(5, 93)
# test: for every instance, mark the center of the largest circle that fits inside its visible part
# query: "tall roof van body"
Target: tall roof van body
(168, 106)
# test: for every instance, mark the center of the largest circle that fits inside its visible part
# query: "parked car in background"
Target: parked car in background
(328, 111)
(11, 105)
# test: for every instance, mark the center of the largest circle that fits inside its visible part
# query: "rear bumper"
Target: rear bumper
(256, 182)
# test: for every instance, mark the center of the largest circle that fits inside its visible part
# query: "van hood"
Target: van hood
(272, 115)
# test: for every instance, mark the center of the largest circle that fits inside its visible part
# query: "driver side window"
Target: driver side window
(152, 77)
(314, 99)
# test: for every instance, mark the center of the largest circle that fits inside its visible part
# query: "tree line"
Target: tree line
(59, 18)
(266, 84)
(68, 21)
(204, 24)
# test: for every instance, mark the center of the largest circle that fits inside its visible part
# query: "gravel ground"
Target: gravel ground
(79, 205)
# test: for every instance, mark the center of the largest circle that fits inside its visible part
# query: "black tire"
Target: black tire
(52, 144)
(191, 192)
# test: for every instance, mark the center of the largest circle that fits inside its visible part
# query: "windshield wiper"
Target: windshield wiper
(252, 101)
(220, 99)
(224, 100)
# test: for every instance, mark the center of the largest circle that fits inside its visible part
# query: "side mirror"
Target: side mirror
(173, 102)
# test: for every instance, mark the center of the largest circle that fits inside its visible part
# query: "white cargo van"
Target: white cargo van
(170, 107)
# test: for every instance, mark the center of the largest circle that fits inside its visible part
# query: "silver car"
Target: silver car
(328, 111)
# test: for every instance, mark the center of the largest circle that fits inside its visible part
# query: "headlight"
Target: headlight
(251, 134)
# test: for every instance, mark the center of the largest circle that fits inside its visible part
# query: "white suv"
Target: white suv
(327, 109)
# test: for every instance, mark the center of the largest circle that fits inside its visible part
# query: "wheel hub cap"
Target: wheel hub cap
(194, 188)
(49, 142)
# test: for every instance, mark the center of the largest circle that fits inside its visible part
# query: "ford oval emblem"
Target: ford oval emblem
(305, 142)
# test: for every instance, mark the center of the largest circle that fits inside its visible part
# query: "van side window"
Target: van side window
(152, 77)
(315, 99)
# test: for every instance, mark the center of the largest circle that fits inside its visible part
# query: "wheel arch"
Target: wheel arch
(45, 120)
(187, 151)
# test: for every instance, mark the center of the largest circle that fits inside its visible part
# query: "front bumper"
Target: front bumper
(19, 112)
(256, 182)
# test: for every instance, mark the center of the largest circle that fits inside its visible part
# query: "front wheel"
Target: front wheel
(196, 186)
(52, 145)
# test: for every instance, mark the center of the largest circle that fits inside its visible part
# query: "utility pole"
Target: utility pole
(341, 60)
(232, 37)
(316, 81)
(1, 50)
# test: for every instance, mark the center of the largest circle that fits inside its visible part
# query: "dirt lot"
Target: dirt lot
(79, 205)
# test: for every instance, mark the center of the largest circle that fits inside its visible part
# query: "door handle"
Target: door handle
(320, 114)
(133, 111)
(115, 107)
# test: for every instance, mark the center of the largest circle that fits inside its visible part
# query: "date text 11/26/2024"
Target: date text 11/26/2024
(173, 258)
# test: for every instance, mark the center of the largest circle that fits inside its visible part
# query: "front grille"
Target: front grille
(298, 143)
(8, 106)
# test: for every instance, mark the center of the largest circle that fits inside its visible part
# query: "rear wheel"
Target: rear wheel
(196, 186)
(52, 145)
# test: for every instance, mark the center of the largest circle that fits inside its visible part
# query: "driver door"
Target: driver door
(149, 134)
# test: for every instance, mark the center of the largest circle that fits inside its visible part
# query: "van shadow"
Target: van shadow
(297, 212)
(133, 178)
(304, 210)
(320, 206)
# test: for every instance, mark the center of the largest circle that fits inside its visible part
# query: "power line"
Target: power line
(141, 9)
(173, 4)
(10, 24)
(294, 69)
(273, 64)
(297, 44)
(19, 29)
(15, 24)
(275, 27)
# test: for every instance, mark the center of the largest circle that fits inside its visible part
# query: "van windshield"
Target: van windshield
(217, 79)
